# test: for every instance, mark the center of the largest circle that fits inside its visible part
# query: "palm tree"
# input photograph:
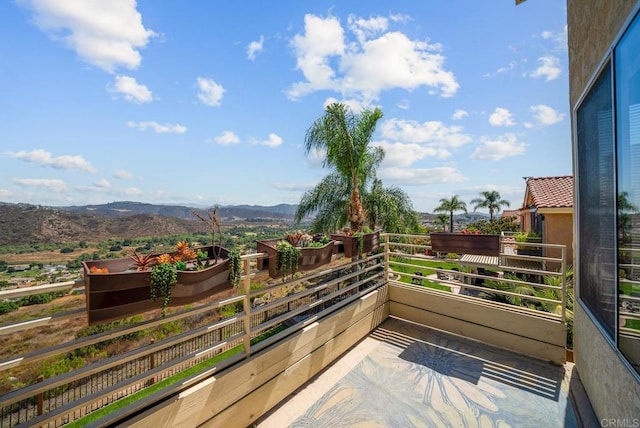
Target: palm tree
(625, 208)
(345, 137)
(442, 219)
(491, 200)
(390, 208)
(450, 206)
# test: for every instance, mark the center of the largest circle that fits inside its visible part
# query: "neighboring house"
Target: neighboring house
(547, 210)
(512, 213)
(604, 84)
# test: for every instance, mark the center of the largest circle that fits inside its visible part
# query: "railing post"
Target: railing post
(40, 398)
(564, 283)
(152, 362)
(246, 321)
(386, 258)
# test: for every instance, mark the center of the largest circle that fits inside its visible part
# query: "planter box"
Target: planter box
(310, 257)
(124, 292)
(483, 245)
(370, 242)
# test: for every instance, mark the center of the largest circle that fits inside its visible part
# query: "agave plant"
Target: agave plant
(142, 261)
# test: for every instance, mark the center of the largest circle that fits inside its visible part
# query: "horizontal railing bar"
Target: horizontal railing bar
(111, 362)
(493, 290)
(97, 338)
(38, 289)
(113, 389)
(26, 325)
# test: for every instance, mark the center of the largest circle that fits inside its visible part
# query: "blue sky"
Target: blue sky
(204, 102)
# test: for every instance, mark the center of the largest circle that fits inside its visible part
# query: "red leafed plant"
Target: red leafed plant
(142, 261)
(471, 232)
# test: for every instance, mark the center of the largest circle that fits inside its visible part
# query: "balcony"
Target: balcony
(395, 334)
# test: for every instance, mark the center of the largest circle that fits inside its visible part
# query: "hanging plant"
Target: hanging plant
(163, 277)
(287, 258)
(235, 266)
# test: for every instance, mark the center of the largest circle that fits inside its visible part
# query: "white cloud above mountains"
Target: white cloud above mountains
(45, 158)
(107, 34)
(546, 115)
(501, 117)
(157, 127)
(500, 147)
(48, 184)
(128, 88)
(254, 48)
(209, 92)
(549, 68)
(372, 61)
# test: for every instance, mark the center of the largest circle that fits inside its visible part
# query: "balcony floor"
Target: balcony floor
(405, 375)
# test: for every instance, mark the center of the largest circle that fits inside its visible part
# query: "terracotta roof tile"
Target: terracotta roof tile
(551, 192)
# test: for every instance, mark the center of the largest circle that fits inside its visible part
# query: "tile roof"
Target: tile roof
(551, 192)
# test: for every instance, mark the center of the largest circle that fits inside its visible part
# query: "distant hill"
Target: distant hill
(127, 208)
(34, 224)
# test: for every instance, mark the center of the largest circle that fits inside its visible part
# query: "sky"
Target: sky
(207, 102)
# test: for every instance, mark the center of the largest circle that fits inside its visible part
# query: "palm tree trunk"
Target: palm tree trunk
(355, 211)
(451, 222)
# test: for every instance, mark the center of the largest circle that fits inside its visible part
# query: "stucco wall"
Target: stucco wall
(592, 26)
(559, 230)
(614, 392)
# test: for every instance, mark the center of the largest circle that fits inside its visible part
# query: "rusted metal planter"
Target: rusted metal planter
(310, 257)
(460, 243)
(124, 292)
(370, 242)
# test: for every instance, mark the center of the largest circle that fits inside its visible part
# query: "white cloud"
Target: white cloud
(432, 133)
(158, 128)
(131, 90)
(50, 185)
(65, 162)
(459, 114)
(254, 48)
(107, 34)
(366, 66)
(103, 184)
(273, 140)
(546, 115)
(296, 187)
(404, 104)
(121, 174)
(105, 188)
(354, 105)
(367, 28)
(210, 93)
(495, 149)
(438, 175)
(316, 157)
(399, 154)
(503, 69)
(549, 68)
(226, 138)
(501, 117)
(4, 193)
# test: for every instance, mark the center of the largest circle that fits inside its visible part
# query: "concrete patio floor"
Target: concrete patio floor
(407, 375)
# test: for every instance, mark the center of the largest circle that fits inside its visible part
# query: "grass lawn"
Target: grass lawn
(426, 267)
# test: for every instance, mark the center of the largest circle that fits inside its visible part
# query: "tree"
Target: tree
(441, 219)
(625, 208)
(490, 200)
(390, 208)
(450, 206)
(345, 138)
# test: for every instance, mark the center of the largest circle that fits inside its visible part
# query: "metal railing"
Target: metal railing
(267, 314)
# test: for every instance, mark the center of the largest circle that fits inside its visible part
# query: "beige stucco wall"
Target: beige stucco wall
(592, 26)
(614, 392)
(559, 230)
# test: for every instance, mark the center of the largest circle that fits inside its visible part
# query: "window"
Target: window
(596, 202)
(608, 209)
(627, 87)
